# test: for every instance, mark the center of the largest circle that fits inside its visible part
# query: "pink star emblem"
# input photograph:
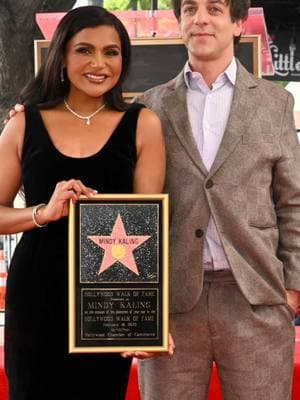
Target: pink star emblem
(118, 247)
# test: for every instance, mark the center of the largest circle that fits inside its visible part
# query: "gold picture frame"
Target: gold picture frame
(118, 274)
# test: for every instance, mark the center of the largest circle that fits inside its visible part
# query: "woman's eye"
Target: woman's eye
(112, 52)
(83, 50)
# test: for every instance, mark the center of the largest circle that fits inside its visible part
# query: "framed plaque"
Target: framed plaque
(118, 274)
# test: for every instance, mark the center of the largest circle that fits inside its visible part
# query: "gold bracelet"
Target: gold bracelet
(34, 215)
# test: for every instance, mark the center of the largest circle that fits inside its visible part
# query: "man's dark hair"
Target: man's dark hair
(238, 8)
(46, 88)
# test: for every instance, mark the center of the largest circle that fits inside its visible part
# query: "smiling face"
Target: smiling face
(208, 30)
(93, 61)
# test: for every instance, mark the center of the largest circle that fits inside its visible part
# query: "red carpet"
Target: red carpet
(133, 393)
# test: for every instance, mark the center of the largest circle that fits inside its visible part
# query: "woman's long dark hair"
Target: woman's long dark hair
(46, 88)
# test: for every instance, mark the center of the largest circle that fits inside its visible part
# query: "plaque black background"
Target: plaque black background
(126, 279)
(138, 219)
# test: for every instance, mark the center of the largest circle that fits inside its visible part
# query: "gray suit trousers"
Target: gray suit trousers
(252, 347)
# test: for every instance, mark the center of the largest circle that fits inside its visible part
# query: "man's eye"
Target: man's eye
(189, 10)
(214, 10)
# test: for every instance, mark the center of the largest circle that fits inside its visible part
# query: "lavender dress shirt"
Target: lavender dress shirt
(208, 110)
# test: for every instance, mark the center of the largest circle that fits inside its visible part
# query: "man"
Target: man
(233, 177)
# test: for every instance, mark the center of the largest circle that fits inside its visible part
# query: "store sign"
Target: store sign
(285, 50)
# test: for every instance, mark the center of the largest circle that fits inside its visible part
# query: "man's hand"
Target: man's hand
(17, 108)
(293, 299)
(142, 355)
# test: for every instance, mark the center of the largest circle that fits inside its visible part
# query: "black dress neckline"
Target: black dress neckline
(103, 148)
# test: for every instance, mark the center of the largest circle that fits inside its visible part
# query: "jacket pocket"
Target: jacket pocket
(290, 310)
(262, 225)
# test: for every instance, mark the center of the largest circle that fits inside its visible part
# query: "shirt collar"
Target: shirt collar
(194, 80)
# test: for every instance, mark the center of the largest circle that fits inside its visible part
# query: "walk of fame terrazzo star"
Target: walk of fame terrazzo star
(119, 247)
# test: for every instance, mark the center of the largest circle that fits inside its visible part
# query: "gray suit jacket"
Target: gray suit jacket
(252, 191)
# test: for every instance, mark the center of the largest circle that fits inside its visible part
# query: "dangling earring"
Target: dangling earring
(62, 76)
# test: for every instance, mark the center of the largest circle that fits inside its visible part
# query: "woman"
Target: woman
(76, 137)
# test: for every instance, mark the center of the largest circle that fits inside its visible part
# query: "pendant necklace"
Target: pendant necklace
(88, 117)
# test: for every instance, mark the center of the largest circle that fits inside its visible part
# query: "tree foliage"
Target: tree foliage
(18, 30)
(120, 5)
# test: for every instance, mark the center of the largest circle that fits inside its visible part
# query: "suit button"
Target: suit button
(209, 184)
(199, 233)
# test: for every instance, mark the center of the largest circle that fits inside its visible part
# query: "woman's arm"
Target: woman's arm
(13, 220)
(11, 139)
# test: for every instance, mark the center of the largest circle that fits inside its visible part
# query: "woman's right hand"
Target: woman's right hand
(58, 206)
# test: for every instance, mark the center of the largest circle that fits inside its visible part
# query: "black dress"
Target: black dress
(37, 363)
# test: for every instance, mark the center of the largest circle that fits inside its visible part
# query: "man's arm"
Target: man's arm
(286, 187)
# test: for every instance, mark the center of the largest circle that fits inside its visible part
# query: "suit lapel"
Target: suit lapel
(175, 107)
(244, 105)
